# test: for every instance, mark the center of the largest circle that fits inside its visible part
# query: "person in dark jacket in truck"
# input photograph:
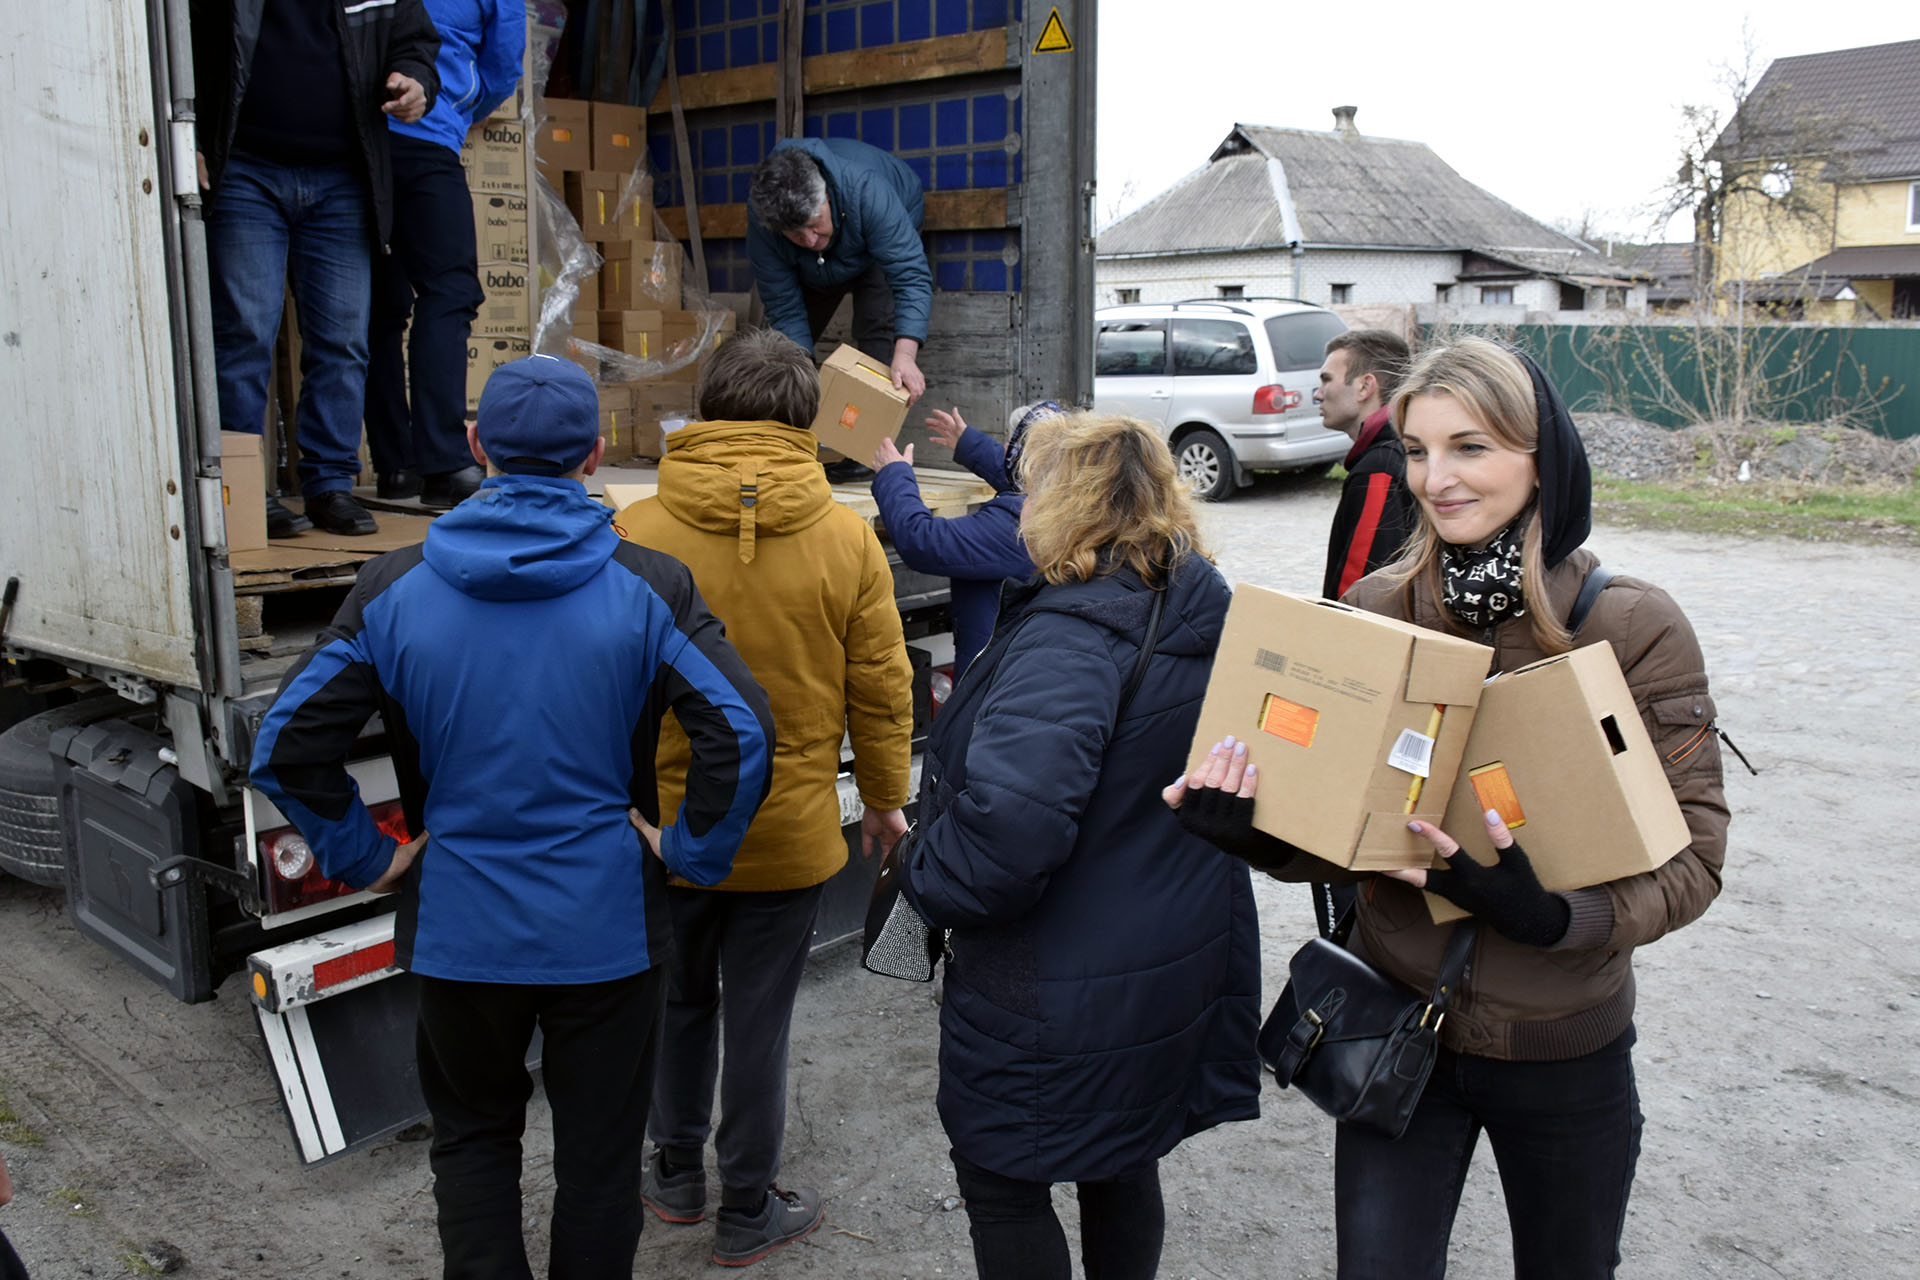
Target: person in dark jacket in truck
(1102, 995)
(1536, 1049)
(521, 660)
(293, 99)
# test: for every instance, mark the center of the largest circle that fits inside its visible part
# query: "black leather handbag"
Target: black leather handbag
(1358, 1044)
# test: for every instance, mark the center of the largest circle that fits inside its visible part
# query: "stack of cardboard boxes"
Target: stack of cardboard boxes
(593, 152)
(495, 158)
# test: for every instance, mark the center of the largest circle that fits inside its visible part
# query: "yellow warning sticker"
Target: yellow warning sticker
(1054, 37)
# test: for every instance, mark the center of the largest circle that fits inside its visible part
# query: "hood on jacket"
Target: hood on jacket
(1566, 482)
(1190, 620)
(522, 538)
(745, 479)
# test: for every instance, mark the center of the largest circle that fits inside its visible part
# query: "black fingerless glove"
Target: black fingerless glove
(1507, 896)
(1224, 819)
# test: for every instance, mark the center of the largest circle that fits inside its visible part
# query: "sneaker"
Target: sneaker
(740, 1240)
(282, 522)
(680, 1196)
(340, 512)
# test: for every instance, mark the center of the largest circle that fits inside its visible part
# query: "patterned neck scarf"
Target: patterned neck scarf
(1481, 585)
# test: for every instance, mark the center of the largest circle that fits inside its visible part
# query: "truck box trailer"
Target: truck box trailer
(113, 545)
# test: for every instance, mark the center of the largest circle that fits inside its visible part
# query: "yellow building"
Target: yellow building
(1833, 232)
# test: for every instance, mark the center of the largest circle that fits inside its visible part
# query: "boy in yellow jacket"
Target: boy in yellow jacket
(803, 587)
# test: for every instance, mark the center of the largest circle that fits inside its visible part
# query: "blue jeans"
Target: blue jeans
(1565, 1135)
(265, 221)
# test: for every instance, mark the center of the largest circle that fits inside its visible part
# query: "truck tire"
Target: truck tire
(1206, 463)
(32, 844)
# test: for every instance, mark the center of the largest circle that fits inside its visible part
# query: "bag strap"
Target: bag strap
(1453, 961)
(1148, 640)
(1597, 579)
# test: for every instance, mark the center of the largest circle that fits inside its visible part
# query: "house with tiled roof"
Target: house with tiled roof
(1343, 219)
(1846, 125)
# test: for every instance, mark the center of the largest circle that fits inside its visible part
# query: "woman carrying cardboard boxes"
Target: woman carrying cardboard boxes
(1536, 1048)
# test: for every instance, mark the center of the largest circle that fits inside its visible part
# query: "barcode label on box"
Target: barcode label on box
(1275, 662)
(1412, 753)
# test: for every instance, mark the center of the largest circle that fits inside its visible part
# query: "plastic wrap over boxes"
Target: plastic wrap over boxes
(1358, 723)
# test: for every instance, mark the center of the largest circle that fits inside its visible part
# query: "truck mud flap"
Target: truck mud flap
(337, 1019)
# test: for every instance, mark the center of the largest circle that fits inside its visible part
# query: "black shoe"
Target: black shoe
(397, 484)
(282, 523)
(339, 512)
(740, 1239)
(847, 471)
(444, 489)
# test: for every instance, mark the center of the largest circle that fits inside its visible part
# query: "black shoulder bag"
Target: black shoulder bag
(1359, 1045)
(896, 942)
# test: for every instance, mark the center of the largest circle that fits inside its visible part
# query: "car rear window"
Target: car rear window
(1209, 347)
(1300, 340)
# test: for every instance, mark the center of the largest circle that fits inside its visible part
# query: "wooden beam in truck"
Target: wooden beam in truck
(946, 211)
(837, 72)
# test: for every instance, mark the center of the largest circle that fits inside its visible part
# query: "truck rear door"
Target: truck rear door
(99, 515)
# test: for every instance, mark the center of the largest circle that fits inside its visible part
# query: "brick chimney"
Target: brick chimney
(1343, 122)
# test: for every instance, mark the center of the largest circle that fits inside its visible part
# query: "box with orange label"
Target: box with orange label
(619, 136)
(859, 406)
(639, 275)
(1357, 722)
(565, 142)
(1558, 747)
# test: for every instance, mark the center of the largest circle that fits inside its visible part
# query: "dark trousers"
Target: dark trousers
(872, 312)
(1565, 1135)
(431, 274)
(756, 943)
(11, 1268)
(597, 1063)
(1017, 1236)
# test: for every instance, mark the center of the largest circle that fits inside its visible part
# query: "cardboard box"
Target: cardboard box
(594, 200)
(619, 136)
(641, 334)
(616, 421)
(565, 142)
(659, 410)
(1337, 708)
(1558, 747)
(507, 308)
(859, 406)
(639, 275)
(690, 336)
(484, 355)
(500, 226)
(495, 157)
(243, 491)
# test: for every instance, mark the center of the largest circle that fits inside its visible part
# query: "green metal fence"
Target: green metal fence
(1676, 374)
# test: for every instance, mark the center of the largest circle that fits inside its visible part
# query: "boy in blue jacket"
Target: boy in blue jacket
(521, 660)
(418, 443)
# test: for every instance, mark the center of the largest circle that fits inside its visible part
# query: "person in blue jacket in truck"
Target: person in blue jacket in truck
(832, 216)
(979, 550)
(521, 660)
(419, 442)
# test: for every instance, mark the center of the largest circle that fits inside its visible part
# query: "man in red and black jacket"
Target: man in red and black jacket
(1376, 515)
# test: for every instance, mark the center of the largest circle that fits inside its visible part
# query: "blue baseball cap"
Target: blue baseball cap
(538, 416)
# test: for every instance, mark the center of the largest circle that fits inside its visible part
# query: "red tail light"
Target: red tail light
(1275, 399)
(294, 879)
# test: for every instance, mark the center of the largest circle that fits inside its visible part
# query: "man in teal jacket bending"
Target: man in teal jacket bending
(832, 216)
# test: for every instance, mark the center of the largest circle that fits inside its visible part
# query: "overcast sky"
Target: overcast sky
(1559, 110)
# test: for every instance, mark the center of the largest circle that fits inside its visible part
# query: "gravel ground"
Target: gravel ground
(1635, 450)
(1776, 1058)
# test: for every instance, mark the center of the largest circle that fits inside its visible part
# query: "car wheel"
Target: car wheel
(32, 844)
(1206, 463)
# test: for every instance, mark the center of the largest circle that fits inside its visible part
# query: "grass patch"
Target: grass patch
(13, 1130)
(1853, 514)
(73, 1202)
(136, 1264)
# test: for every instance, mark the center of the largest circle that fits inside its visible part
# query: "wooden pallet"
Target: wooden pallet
(946, 493)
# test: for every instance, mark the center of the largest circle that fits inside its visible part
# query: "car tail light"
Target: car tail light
(294, 879)
(940, 686)
(1275, 399)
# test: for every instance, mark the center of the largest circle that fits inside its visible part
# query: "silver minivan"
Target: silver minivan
(1231, 383)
